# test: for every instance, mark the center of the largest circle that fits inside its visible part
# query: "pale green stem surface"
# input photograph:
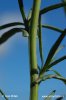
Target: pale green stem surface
(32, 42)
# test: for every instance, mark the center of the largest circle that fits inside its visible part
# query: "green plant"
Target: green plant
(32, 30)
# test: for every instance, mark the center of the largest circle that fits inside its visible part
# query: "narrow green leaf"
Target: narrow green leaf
(55, 47)
(9, 34)
(56, 62)
(59, 48)
(50, 76)
(39, 68)
(53, 59)
(21, 6)
(49, 97)
(64, 1)
(3, 95)
(52, 28)
(57, 73)
(25, 33)
(40, 41)
(29, 15)
(45, 77)
(52, 7)
(52, 51)
(10, 25)
(60, 78)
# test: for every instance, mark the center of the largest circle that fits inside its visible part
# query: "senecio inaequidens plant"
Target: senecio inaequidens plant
(32, 29)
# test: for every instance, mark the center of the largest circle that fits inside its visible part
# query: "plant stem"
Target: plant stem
(32, 44)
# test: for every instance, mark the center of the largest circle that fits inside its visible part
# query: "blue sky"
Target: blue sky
(14, 54)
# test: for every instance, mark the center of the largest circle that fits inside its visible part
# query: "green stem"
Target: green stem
(33, 57)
